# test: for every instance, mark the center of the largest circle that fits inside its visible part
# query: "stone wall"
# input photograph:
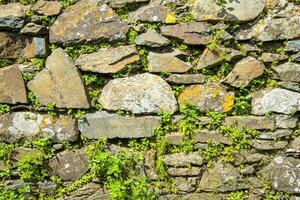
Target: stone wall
(138, 99)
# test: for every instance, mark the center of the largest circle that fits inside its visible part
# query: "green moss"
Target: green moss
(4, 108)
(5, 62)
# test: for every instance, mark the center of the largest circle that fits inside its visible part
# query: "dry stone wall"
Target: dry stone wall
(141, 100)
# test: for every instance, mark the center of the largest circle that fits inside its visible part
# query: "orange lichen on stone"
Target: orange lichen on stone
(228, 102)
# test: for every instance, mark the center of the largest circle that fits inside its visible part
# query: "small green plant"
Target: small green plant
(239, 195)
(131, 36)
(27, 76)
(4, 108)
(67, 3)
(5, 62)
(33, 100)
(5, 151)
(51, 108)
(124, 11)
(38, 63)
(26, 2)
(44, 144)
(47, 20)
(143, 53)
(77, 114)
(221, 2)
(177, 89)
(216, 119)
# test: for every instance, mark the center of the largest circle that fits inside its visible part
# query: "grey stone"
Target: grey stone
(11, 45)
(265, 145)
(211, 96)
(232, 11)
(286, 121)
(275, 100)
(69, 165)
(108, 60)
(34, 29)
(193, 33)
(142, 93)
(288, 72)
(289, 85)
(294, 148)
(36, 47)
(244, 71)
(153, 12)
(59, 83)
(183, 159)
(48, 8)
(248, 170)
(167, 62)
(272, 57)
(152, 39)
(12, 15)
(296, 57)
(184, 185)
(249, 157)
(293, 45)
(102, 124)
(185, 78)
(72, 27)
(205, 136)
(222, 178)
(12, 87)
(122, 3)
(250, 122)
(283, 174)
(27, 125)
(194, 196)
(278, 134)
(192, 171)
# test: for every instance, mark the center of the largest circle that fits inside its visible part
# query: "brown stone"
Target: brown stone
(185, 78)
(250, 122)
(48, 8)
(11, 45)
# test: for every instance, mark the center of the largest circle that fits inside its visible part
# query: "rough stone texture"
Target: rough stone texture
(48, 8)
(212, 58)
(272, 29)
(194, 196)
(283, 174)
(153, 12)
(286, 121)
(11, 45)
(192, 171)
(250, 122)
(278, 134)
(249, 157)
(208, 97)
(27, 125)
(293, 45)
(167, 62)
(294, 148)
(232, 11)
(205, 135)
(183, 159)
(108, 60)
(152, 39)
(272, 57)
(85, 21)
(123, 3)
(12, 87)
(268, 145)
(34, 29)
(244, 71)
(193, 33)
(275, 100)
(18, 153)
(36, 47)
(288, 71)
(185, 185)
(222, 178)
(69, 165)
(59, 83)
(142, 93)
(289, 85)
(12, 15)
(102, 124)
(185, 78)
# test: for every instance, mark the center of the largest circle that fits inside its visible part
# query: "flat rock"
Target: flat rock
(183, 159)
(283, 174)
(222, 178)
(167, 62)
(11, 45)
(19, 126)
(205, 136)
(272, 57)
(36, 47)
(142, 93)
(278, 134)
(34, 29)
(272, 29)
(59, 83)
(184, 185)
(294, 148)
(185, 78)
(72, 27)
(12, 87)
(192, 171)
(102, 124)
(193, 196)
(48, 8)
(293, 45)
(211, 58)
(153, 12)
(123, 3)
(288, 72)
(151, 38)
(210, 96)
(231, 11)
(244, 71)
(265, 145)
(275, 100)
(12, 15)
(69, 165)
(250, 122)
(193, 33)
(285, 121)
(289, 85)
(108, 60)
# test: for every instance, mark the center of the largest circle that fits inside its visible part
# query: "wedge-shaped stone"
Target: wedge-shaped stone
(275, 100)
(288, 72)
(244, 71)
(12, 87)
(185, 78)
(85, 21)
(272, 57)
(109, 60)
(142, 93)
(12, 15)
(59, 83)
(232, 11)
(27, 125)
(151, 38)
(210, 96)
(167, 62)
(102, 124)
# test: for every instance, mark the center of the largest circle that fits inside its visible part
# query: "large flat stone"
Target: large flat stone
(12, 15)
(142, 93)
(59, 83)
(288, 72)
(48, 8)
(85, 21)
(250, 122)
(151, 38)
(102, 124)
